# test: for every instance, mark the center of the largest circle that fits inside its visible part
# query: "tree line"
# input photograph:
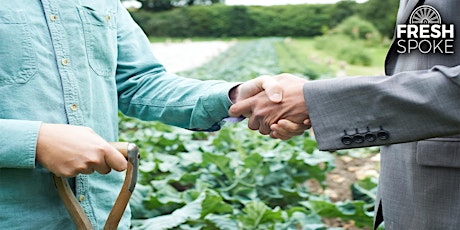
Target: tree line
(210, 18)
(163, 5)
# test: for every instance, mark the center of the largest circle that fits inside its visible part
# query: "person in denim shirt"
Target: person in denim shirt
(66, 69)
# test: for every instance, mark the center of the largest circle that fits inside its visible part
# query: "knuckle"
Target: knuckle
(282, 76)
(258, 115)
(103, 148)
(80, 169)
(88, 129)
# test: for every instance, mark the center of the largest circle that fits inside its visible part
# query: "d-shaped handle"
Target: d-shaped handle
(79, 217)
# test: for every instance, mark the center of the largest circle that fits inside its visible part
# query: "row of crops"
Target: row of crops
(235, 178)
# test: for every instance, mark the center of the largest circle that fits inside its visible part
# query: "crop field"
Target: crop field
(236, 178)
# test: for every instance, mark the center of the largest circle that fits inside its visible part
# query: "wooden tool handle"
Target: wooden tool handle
(79, 217)
(122, 147)
(132, 154)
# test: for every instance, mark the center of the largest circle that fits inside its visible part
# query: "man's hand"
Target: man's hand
(255, 86)
(263, 112)
(68, 150)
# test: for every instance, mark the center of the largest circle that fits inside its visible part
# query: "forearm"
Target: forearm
(182, 102)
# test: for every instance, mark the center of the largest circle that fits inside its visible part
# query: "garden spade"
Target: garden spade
(131, 153)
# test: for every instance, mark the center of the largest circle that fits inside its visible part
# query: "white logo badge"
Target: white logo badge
(425, 33)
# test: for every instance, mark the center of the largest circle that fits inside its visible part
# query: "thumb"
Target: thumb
(116, 160)
(272, 88)
(242, 108)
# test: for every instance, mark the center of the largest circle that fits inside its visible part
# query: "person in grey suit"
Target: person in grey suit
(413, 113)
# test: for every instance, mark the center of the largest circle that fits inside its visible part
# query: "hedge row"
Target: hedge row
(229, 21)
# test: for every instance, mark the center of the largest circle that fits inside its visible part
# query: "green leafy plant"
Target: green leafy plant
(231, 178)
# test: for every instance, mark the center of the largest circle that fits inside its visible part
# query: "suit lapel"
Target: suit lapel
(403, 16)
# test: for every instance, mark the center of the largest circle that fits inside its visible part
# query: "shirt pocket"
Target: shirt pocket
(100, 40)
(18, 59)
(439, 152)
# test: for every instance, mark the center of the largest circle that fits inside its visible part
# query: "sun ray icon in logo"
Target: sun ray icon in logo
(425, 14)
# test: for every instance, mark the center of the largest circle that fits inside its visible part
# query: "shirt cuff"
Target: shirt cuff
(216, 104)
(18, 139)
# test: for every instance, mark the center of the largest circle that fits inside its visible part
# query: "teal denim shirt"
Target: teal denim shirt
(79, 62)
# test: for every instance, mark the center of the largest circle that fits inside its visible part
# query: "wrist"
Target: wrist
(233, 94)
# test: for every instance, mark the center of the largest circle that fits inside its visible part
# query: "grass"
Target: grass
(302, 51)
(296, 58)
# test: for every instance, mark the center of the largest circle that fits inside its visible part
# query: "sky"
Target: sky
(278, 2)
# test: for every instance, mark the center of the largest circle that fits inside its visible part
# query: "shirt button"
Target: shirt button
(65, 61)
(107, 17)
(74, 107)
(53, 17)
(81, 198)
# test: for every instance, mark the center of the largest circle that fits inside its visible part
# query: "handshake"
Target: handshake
(274, 105)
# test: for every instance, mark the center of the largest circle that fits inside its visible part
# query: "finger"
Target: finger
(271, 87)
(253, 123)
(115, 159)
(240, 108)
(276, 135)
(307, 122)
(264, 129)
(284, 135)
(273, 135)
(102, 168)
(290, 126)
(290, 131)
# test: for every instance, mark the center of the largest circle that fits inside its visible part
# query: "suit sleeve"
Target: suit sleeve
(369, 111)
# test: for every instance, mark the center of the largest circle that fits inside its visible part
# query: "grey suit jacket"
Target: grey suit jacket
(414, 114)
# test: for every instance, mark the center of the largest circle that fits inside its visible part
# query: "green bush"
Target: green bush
(230, 21)
(343, 47)
(355, 54)
(358, 28)
(348, 41)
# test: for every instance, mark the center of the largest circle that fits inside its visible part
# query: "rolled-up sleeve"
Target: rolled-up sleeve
(148, 92)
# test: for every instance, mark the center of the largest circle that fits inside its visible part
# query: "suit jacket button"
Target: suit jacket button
(370, 137)
(347, 140)
(358, 139)
(383, 135)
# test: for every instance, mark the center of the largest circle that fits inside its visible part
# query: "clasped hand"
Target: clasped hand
(274, 105)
